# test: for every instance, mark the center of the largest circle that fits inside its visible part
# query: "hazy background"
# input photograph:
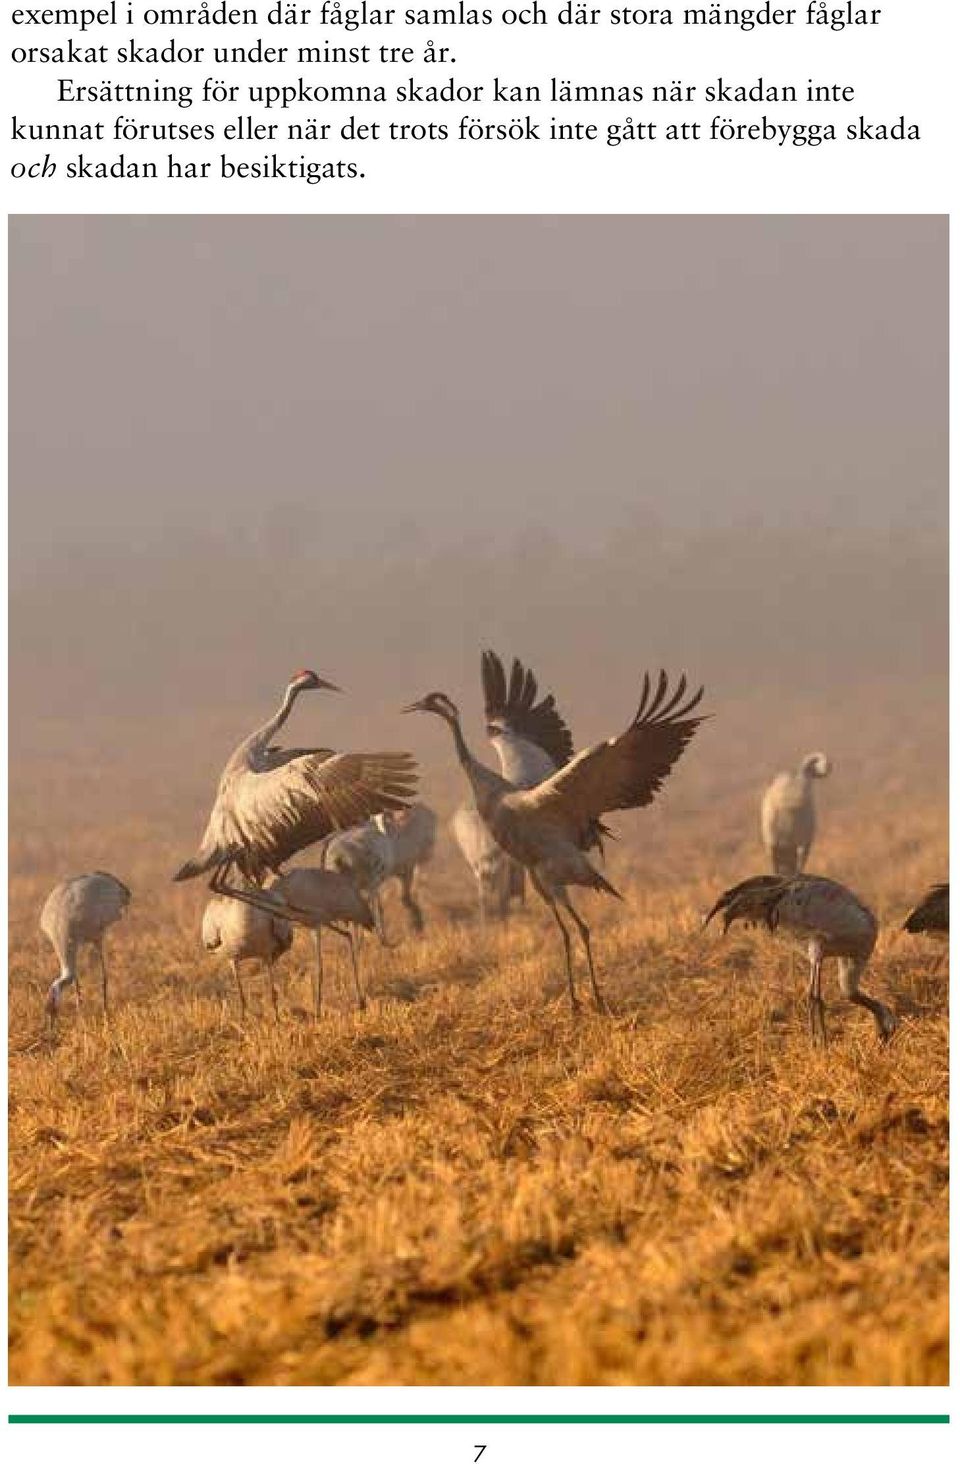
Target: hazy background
(373, 445)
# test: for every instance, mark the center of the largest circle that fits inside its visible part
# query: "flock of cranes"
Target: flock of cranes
(538, 819)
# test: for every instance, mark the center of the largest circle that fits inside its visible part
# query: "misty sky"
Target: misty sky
(441, 378)
(372, 445)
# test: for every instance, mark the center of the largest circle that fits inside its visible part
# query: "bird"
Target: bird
(932, 915)
(787, 815)
(548, 828)
(530, 737)
(78, 912)
(499, 879)
(332, 900)
(272, 801)
(413, 836)
(825, 919)
(244, 932)
(365, 856)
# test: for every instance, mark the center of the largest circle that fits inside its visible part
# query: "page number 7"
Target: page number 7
(479, 1450)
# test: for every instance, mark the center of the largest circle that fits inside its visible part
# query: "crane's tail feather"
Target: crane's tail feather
(754, 899)
(604, 884)
(190, 870)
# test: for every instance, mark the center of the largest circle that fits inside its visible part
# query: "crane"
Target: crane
(530, 737)
(498, 878)
(272, 801)
(932, 915)
(825, 919)
(412, 835)
(244, 932)
(788, 817)
(365, 856)
(549, 827)
(76, 913)
(329, 900)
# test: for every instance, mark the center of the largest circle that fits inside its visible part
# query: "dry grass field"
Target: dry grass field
(463, 1184)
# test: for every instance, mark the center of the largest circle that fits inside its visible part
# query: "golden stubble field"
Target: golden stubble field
(463, 1184)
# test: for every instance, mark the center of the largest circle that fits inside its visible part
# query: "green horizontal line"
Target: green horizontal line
(478, 1418)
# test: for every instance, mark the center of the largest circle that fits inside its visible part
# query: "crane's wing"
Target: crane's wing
(281, 811)
(278, 757)
(753, 900)
(263, 818)
(933, 912)
(514, 705)
(624, 772)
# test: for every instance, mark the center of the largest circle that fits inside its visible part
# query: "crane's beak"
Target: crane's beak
(327, 685)
(416, 706)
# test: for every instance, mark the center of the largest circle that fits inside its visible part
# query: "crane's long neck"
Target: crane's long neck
(487, 785)
(260, 739)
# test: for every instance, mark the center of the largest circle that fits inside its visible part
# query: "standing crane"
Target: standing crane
(932, 915)
(272, 802)
(76, 913)
(365, 857)
(530, 737)
(823, 918)
(788, 817)
(330, 900)
(498, 878)
(548, 828)
(245, 932)
(413, 836)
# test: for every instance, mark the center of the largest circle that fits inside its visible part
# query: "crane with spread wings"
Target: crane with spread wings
(272, 802)
(549, 828)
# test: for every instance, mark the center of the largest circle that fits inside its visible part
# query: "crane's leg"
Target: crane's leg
(376, 905)
(549, 899)
(358, 989)
(850, 986)
(482, 902)
(318, 977)
(584, 929)
(271, 976)
(818, 1030)
(235, 968)
(409, 902)
(103, 979)
(507, 890)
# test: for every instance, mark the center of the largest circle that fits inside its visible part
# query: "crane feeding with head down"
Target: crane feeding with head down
(76, 913)
(549, 828)
(821, 917)
(272, 802)
(243, 932)
(330, 901)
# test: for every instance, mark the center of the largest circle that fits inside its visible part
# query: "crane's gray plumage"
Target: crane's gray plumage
(823, 918)
(548, 828)
(530, 737)
(271, 802)
(413, 837)
(499, 878)
(365, 856)
(244, 932)
(76, 913)
(788, 817)
(932, 915)
(333, 900)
